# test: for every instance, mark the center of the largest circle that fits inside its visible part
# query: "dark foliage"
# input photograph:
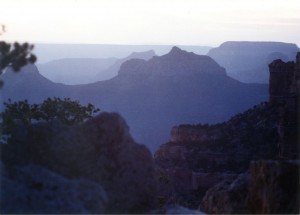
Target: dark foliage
(65, 110)
(14, 55)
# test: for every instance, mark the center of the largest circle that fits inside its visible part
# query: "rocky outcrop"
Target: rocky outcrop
(199, 157)
(267, 132)
(188, 133)
(100, 150)
(132, 67)
(270, 187)
(113, 70)
(227, 197)
(274, 187)
(281, 78)
(180, 62)
(284, 91)
(176, 62)
(35, 189)
(228, 146)
(273, 184)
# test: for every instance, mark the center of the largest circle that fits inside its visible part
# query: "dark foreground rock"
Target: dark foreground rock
(271, 187)
(227, 197)
(263, 141)
(274, 187)
(34, 189)
(100, 150)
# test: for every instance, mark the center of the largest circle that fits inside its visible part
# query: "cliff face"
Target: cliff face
(274, 187)
(284, 91)
(281, 81)
(227, 197)
(228, 146)
(267, 132)
(206, 155)
(191, 133)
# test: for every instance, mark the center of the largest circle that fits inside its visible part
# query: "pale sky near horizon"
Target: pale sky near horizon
(171, 22)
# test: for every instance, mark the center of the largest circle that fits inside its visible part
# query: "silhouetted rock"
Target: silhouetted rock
(132, 67)
(284, 91)
(28, 84)
(227, 197)
(100, 150)
(74, 71)
(177, 87)
(154, 95)
(113, 70)
(274, 187)
(228, 146)
(267, 132)
(209, 154)
(248, 61)
(281, 78)
(34, 189)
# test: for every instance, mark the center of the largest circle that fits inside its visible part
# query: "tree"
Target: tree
(21, 110)
(65, 110)
(15, 55)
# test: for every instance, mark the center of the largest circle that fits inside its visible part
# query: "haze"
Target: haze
(188, 22)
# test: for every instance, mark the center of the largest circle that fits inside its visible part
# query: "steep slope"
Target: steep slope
(227, 146)
(248, 61)
(198, 157)
(28, 84)
(112, 70)
(179, 87)
(74, 70)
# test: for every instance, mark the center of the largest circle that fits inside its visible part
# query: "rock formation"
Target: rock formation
(263, 139)
(205, 155)
(281, 77)
(274, 187)
(274, 184)
(113, 70)
(152, 95)
(248, 61)
(28, 84)
(284, 91)
(100, 150)
(35, 189)
(74, 71)
(227, 197)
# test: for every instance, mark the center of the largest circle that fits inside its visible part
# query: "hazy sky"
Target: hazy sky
(181, 22)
